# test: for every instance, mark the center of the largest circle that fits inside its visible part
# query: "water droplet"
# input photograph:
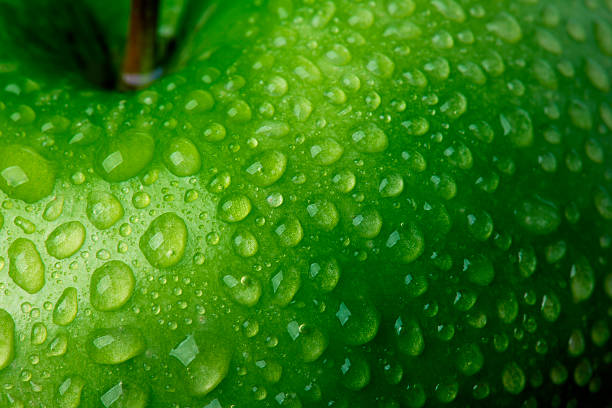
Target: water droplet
(369, 138)
(182, 157)
(267, 168)
(234, 207)
(103, 209)
(355, 372)
(245, 243)
(450, 9)
(66, 307)
(199, 101)
(367, 223)
(65, 240)
(326, 151)
(324, 214)
(115, 345)
(582, 280)
(410, 339)
(380, 65)
(513, 378)
(164, 242)
(125, 156)
(69, 392)
(358, 321)
(111, 286)
(517, 127)
(406, 244)
(39, 333)
(25, 174)
(125, 395)
(7, 339)
(289, 232)
(54, 209)
(245, 290)
(306, 70)
(25, 265)
(214, 132)
(506, 27)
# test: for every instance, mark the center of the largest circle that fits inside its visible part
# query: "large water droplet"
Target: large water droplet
(266, 168)
(164, 242)
(25, 174)
(7, 339)
(182, 157)
(115, 345)
(125, 156)
(66, 307)
(65, 240)
(103, 209)
(26, 267)
(111, 286)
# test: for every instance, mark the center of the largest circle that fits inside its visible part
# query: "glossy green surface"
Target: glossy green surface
(391, 203)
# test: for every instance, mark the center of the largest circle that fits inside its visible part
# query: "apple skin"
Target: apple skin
(390, 203)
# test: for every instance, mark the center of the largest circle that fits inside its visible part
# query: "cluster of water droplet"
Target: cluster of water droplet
(385, 202)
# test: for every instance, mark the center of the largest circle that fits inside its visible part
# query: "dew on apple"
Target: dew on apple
(326, 151)
(53, 209)
(289, 232)
(163, 243)
(582, 280)
(513, 378)
(199, 101)
(325, 274)
(141, 199)
(112, 346)
(324, 214)
(125, 155)
(369, 138)
(26, 267)
(245, 290)
(391, 185)
(306, 70)
(277, 86)
(58, 346)
(301, 108)
(367, 223)
(239, 111)
(266, 168)
(69, 392)
(38, 334)
(24, 224)
(409, 337)
(284, 284)
(469, 359)
(479, 270)
(7, 339)
(214, 132)
(66, 307)
(112, 285)
(25, 174)
(182, 157)
(354, 372)
(209, 365)
(358, 321)
(234, 207)
(344, 181)
(65, 240)
(245, 243)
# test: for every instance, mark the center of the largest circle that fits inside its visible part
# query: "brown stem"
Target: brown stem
(139, 67)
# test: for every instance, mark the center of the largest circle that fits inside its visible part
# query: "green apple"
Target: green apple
(382, 203)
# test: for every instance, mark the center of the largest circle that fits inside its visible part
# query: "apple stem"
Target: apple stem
(139, 68)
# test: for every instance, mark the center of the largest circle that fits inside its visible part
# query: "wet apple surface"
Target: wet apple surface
(391, 203)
